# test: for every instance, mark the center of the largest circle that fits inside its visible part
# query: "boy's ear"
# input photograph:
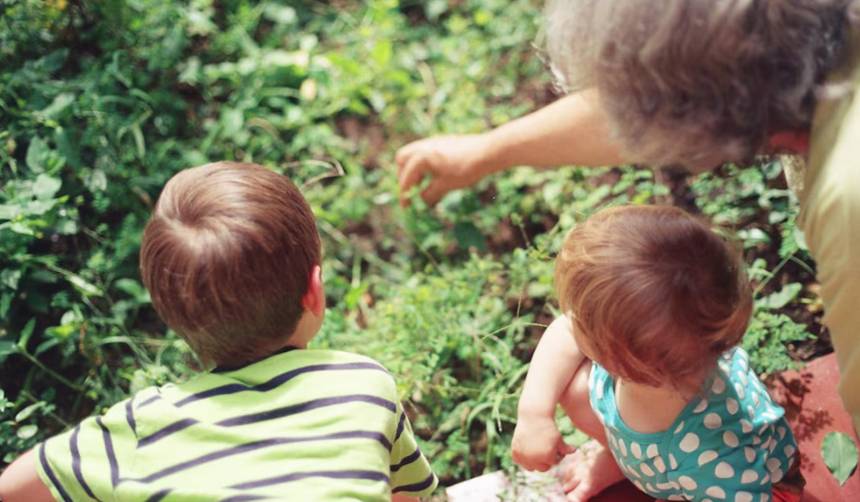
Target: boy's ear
(314, 299)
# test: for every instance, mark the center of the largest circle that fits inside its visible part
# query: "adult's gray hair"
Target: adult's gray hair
(699, 82)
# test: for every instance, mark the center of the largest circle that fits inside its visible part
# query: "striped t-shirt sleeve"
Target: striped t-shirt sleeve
(410, 470)
(81, 464)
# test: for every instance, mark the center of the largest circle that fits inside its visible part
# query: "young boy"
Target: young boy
(645, 360)
(231, 258)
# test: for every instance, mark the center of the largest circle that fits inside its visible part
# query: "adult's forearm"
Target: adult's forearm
(570, 131)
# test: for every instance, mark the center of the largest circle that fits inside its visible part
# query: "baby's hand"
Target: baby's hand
(537, 443)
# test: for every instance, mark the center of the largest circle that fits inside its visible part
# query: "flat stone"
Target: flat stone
(532, 487)
(496, 486)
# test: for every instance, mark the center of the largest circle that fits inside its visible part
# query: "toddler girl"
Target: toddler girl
(645, 360)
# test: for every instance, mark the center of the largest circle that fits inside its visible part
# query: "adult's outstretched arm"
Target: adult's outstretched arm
(572, 130)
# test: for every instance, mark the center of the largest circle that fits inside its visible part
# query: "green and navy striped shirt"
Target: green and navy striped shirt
(299, 425)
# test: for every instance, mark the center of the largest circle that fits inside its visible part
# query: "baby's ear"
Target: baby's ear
(314, 299)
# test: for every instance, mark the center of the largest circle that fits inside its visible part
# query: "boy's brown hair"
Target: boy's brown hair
(226, 257)
(657, 295)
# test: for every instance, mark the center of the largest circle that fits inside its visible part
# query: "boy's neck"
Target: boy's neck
(306, 329)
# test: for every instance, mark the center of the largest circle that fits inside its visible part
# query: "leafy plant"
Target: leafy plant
(101, 102)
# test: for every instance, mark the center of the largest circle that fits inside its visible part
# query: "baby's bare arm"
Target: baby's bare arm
(553, 365)
(20, 482)
(537, 442)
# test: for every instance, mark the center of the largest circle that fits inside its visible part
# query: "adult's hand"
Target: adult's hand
(451, 162)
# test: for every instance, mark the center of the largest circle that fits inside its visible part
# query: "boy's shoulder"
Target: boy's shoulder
(352, 360)
(339, 355)
(299, 365)
(263, 376)
(336, 359)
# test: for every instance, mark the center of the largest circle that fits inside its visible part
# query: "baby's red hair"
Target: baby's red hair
(655, 292)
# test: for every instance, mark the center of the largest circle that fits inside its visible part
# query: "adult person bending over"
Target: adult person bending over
(698, 83)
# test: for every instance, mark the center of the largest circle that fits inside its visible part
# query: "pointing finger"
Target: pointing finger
(410, 176)
(403, 154)
(434, 192)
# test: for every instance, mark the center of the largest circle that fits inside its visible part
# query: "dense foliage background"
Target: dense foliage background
(101, 102)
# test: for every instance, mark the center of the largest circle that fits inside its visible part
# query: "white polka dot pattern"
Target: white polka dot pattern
(731, 406)
(687, 483)
(749, 476)
(707, 456)
(743, 497)
(713, 421)
(724, 470)
(651, 452)
(716, 492)
(646, 470)
(690, 442)
(730, 439)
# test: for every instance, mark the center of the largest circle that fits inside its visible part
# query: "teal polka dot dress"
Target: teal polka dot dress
(730, 444)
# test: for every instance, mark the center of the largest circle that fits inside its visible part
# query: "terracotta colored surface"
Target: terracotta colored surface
(622, 492)
(813, 408)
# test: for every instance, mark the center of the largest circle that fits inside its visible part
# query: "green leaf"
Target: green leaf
(9, 211)
(27, 431)
(199, 23)
(96, 181)
(10, 278)
(7, 348)
(62, 331)
(840, 455)
(60, 103)
(232, 121)
(132, 288)
(46, 186)
(353, 296)
(435, 8)
(382, 52)
(84, 286)
(781, 298)
(468, 235)
(21, 228)
(483, 17)
(280, 14)
(26, 333)
(37, 152)
(28, 411)
(5, 303)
